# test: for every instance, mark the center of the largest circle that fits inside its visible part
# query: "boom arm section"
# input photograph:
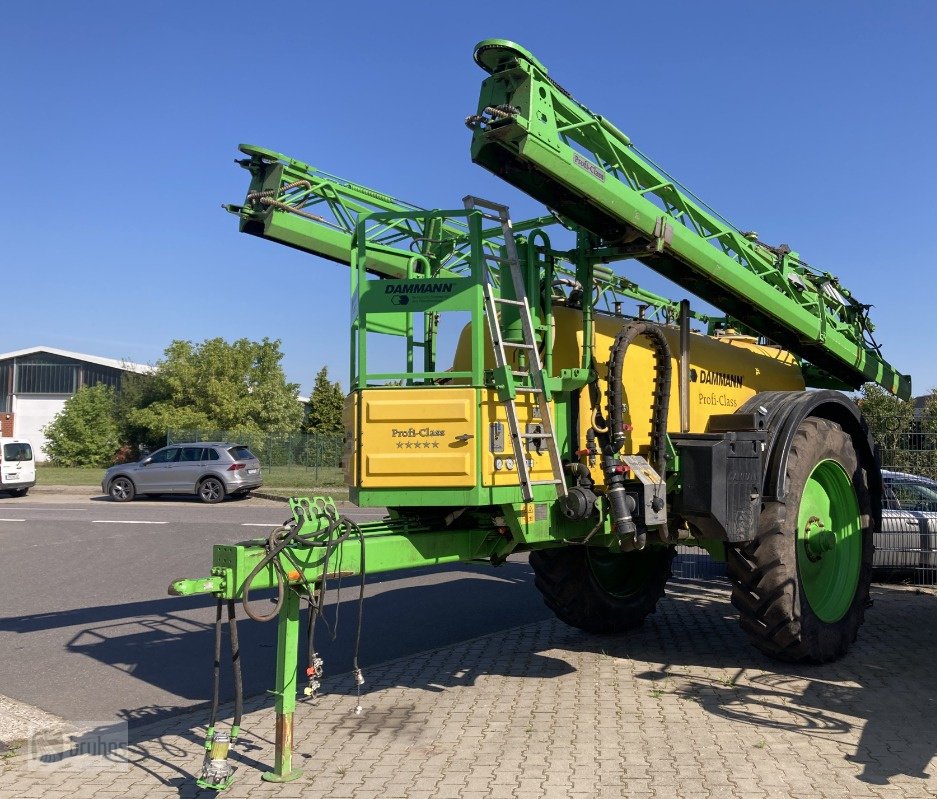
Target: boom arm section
(292, 203)
(533, 134)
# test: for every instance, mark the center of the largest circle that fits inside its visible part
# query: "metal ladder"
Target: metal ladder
(534, 373)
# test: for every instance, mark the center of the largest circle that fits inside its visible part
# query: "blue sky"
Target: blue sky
(812, 123)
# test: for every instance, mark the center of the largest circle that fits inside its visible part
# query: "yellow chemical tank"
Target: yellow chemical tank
(431, 436)
(724, 372)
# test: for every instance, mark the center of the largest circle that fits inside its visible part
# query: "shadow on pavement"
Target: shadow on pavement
(887, 679)
(168, 642)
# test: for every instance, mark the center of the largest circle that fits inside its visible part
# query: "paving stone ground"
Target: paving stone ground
(682, 708)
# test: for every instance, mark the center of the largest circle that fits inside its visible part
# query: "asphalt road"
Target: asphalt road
(89, 633)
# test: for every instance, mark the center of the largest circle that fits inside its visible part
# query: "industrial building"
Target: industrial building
(35, 383)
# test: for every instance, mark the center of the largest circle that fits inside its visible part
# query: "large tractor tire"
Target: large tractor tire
(802, 585)
(599, 591)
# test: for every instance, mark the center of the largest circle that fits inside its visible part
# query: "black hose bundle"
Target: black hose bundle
(285, 540)
(613, 438)
(235, 669)
(661, 399)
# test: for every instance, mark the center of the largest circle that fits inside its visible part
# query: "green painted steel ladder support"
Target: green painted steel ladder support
(528, 345)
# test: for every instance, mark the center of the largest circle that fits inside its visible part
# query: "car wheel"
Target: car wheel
(211, 490)
(121, 489)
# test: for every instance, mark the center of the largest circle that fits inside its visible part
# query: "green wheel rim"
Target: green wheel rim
(829, 541)
(621, 575)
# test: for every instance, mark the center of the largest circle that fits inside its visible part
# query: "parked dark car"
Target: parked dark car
(210, 470)
(908, 539)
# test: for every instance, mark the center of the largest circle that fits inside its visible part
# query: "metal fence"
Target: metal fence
(693, 563)
(289, 460)
(906, 548)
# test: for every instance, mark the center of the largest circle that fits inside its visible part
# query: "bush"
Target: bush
(84, 433)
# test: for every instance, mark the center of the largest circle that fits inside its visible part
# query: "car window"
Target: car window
(241, 453)
(168, 455)
(17, 452)
(189, 454)
(212, 454)
(891, 501)
(905, 495)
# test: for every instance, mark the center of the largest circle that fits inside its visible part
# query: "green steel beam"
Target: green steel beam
(297, 205)
(532, 133)
(294, 204)
(388, 546)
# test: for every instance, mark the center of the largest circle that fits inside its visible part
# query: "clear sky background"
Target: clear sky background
(810, 122)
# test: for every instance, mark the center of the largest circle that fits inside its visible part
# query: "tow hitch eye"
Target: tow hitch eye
(817, 539)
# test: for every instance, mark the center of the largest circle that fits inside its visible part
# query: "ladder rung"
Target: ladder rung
(508, 302)
(518, 344)
(543, 482)
(536, 435)
(528, 389)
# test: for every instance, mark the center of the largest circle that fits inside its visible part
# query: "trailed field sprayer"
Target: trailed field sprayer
(581, 419)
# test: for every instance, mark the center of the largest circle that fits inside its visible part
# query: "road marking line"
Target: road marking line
(121, 521)
(12, 520)
(27, 507)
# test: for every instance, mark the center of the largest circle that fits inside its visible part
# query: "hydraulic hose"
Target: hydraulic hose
(283, 540)
(661, 400)
(216, 772)
(216, 673)
(236, 671)
(612, 441)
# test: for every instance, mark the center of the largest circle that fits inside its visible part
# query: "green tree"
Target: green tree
(85, 431)
(136, 391)
(887, 416)
(905, 440)
(325, 406)
(219, 386)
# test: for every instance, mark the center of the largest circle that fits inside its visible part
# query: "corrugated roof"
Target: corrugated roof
(127, 366)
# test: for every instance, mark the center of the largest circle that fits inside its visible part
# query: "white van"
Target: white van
(17, 466)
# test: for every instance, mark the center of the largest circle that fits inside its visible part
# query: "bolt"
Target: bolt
(819, 540)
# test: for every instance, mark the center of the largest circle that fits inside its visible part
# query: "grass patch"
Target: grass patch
(68, 475)
(293, 476)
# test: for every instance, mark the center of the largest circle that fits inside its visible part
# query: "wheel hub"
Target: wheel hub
(817, 538)
(829, 545)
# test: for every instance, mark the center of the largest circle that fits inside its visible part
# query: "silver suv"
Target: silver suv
(908, 539)
(209, 470)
